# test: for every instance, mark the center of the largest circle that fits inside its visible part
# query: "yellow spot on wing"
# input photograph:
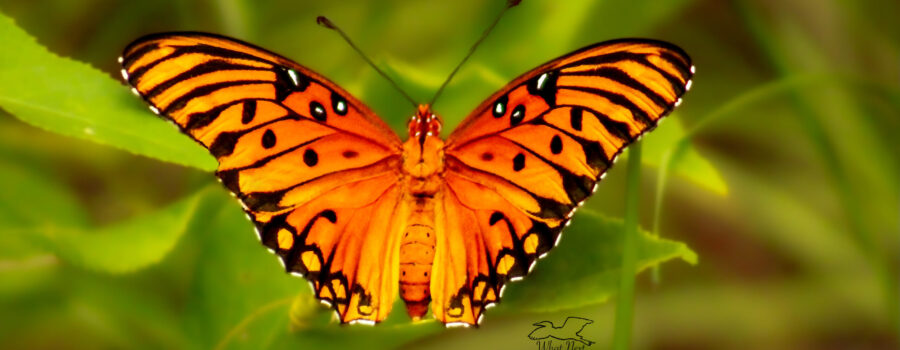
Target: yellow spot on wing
(310, 261)
(338, 289)
(531, 243)
(366, 310)
(506, 263)
(479, 290)
(325, 293)
(285, 239)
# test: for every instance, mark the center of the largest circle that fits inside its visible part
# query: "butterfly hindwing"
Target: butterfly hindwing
(313, 167)
(521, 163)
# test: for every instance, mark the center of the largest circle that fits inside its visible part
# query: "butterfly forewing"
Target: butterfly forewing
(314, 168)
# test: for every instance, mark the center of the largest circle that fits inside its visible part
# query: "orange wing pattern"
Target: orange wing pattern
(520, 164)
(314, 168)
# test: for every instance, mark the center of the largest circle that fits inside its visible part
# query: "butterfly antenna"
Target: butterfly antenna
(325, 22)
(509, 4)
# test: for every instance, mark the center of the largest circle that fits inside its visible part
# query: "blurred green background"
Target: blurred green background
(780, 172)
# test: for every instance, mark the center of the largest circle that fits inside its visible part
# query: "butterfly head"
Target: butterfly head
(424, 123)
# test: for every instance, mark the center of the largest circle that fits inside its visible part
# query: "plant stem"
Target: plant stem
(625, 300)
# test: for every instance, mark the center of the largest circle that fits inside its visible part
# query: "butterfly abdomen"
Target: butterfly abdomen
(417, 256)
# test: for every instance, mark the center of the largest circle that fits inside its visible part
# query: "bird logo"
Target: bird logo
(569, 331)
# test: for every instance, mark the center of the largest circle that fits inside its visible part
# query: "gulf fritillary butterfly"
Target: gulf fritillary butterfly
(360, 213)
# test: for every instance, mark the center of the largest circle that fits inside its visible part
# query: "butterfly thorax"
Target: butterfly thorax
(422, 166)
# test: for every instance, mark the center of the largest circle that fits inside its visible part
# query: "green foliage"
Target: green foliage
(561, 282)
(787, 145)
(74, 99)
(123, 247)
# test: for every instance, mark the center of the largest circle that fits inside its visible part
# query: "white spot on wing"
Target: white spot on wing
(362, 321)
(541, 80)
(325, 302)
(124, 74)
(293, 74)
(678, 102)
(120, 59)
(135, 92)
(688, 85)
(693, 69)
(456, 324)
(516, 278)
(154, 110)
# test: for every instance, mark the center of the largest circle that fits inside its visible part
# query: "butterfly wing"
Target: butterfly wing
(520, 164)
(314, 168)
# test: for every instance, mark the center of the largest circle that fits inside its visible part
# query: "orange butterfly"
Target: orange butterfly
(362, 214)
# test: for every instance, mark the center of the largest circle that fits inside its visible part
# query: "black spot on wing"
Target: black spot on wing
(498, 109)
(576, 118)
(338, 104)
(248, 111)
(318, 111)
(268, 139)
(224, 144)
(556, 145)
(544, 85)
(517, 115)
(519, 162)
(310, 157)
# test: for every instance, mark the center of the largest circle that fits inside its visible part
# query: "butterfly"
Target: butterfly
(364, 215)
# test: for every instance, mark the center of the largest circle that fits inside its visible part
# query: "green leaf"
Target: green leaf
(74, 99)
(688, 163)
(123, 247)
(241, 297)
(33, 190)
(234, 278)
(30, 199)
(584, 268)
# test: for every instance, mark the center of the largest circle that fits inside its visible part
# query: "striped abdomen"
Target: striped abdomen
(416, 257)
